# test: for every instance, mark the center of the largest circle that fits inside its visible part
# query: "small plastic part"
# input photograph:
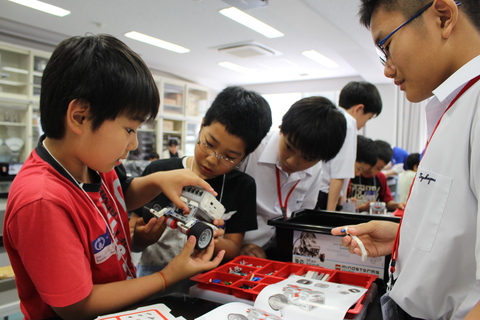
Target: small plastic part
(360, 244)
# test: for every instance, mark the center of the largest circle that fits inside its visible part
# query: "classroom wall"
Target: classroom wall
(383, 127)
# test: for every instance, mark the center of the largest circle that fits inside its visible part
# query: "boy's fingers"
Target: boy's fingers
(218, 222)
(216, 261)
(189, 246)
(202, 183)
(179, 203)
(338, 231)
(140, 222)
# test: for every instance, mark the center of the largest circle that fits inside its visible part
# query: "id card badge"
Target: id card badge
(389, 308)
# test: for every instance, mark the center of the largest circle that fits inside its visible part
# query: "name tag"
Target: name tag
(389, 308)
(103, 248)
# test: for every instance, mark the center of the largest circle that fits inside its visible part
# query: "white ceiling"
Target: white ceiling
(330, 27)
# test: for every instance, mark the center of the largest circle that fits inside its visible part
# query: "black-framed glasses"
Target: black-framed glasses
(208, 150)
(382, 51)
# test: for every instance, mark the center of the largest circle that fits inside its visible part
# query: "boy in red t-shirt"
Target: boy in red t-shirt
(372, 185)
(66, 226)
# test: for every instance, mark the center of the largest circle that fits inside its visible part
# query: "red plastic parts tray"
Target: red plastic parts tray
(244, 277)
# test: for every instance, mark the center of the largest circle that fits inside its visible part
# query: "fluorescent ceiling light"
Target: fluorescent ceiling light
(235, 67)
(156, 42)
(320, 58)
(42, 6)
(250, 22)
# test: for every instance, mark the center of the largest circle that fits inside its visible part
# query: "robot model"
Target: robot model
(204, 208)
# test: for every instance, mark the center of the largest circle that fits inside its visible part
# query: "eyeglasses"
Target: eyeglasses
(382, 51)
(208, 150)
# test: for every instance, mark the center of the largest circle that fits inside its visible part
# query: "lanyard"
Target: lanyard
(283, 206)
(397, 237)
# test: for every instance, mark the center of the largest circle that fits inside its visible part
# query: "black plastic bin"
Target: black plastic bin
(317, 221)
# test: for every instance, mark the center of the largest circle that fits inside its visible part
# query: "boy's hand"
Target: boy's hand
(172, 182)
(250, 249)
(189, 262)
(220, 232)
(147, 234)
(377, 237)
(364, 207)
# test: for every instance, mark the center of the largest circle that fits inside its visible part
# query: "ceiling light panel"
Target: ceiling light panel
(320, 58)
(156, 42)
(235, 67)
(251, 22)
(42, 6)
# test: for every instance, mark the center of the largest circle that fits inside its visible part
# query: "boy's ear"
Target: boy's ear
(447, 14)
(77, 114)
(357, 109)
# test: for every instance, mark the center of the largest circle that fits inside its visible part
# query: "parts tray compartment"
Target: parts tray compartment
(244, 277)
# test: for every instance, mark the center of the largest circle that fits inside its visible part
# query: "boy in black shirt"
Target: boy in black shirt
(232, 128)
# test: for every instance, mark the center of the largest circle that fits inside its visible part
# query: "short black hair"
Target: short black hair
(245, 114)
(384, 151)
(316, 127)
(409, 7)
(413, 159)
(406, 7)
(366, 150)
(172, 142)
(102, 72)
(361, 92)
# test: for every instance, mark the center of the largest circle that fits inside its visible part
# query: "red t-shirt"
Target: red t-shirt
(370, 189)
(58, 241)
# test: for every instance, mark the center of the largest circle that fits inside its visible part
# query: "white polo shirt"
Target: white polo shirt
(343, 165)
(261, 165)
(438, 265)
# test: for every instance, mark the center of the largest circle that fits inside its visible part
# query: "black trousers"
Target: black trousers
(322, 202)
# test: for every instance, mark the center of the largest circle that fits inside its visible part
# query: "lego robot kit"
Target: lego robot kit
(268, 289)
(204, 208)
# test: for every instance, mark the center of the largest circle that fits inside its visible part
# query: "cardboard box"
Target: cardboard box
(168, 125)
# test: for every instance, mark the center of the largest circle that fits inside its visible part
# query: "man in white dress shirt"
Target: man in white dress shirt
(432, 50)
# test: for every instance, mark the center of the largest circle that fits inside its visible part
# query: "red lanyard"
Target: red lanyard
(397, 237)
(283, 206)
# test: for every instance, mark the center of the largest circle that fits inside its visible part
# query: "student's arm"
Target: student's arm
(144, 189)
(334, 193)
(392, 205)
(251, 249)
(364, 207)
(231, 243)
(474, 314)
(386, 195)
(117, 296)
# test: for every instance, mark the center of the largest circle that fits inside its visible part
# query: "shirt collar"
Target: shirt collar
(270, 153)
(467, 72)
(446, 92)
(270, 156)
(346, 114)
